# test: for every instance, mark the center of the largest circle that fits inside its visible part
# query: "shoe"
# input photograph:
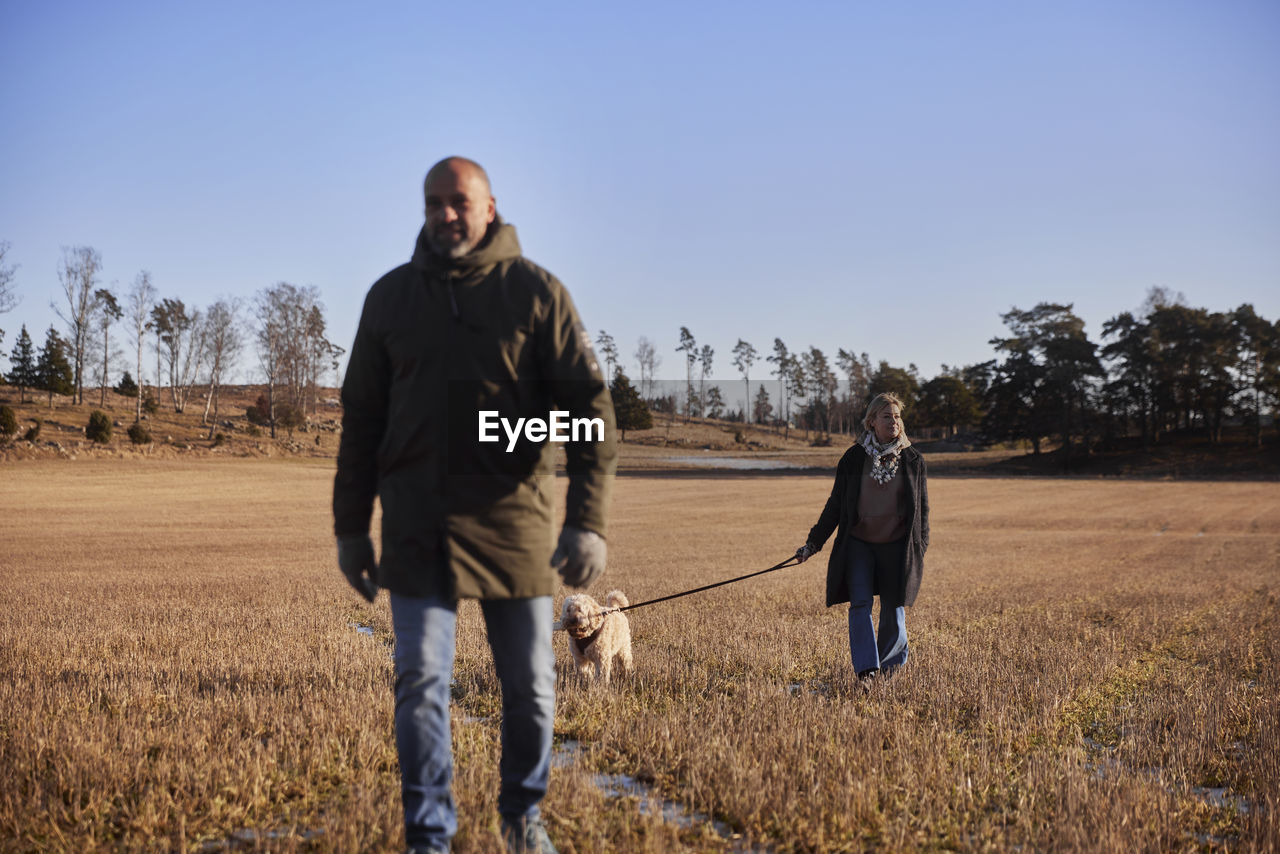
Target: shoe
(527, 836)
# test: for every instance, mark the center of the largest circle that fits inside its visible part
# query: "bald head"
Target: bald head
(459, 165)
(460, 206)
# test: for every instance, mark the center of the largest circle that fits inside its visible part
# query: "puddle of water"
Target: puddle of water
(738, 463)
(1211, 839)
(624, 786)
(250, 838)
(1218, 797)
(1221, 797)
(367, 631)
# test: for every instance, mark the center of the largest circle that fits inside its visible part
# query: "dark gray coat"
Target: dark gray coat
(840, 515)
(439, 341)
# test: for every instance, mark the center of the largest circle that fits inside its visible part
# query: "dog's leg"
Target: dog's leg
(580, 664)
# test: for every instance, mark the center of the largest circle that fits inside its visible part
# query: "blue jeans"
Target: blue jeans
(519, 633)
(871, 567)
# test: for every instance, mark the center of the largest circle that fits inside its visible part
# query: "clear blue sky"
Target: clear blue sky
(882, 177)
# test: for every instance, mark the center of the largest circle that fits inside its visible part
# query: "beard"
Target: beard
(450, 243)
(453, 240)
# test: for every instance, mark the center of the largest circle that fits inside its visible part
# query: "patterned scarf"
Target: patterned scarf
(884, 455)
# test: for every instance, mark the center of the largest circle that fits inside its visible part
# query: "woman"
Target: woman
(879, 508)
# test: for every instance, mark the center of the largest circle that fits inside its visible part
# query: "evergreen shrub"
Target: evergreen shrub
(8, 421)
(99, 427)
(260, 412)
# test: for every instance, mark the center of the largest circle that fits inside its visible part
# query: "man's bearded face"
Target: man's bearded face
(459, 209)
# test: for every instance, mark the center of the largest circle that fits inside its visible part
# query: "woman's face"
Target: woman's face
(888, 423)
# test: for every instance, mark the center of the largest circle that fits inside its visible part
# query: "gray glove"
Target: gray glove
(806, 551)
(579, 556)
(355, 559)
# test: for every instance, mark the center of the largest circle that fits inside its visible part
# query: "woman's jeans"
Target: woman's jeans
(872, 567)
(520, 637)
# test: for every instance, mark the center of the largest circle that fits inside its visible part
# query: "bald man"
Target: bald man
(467, 336)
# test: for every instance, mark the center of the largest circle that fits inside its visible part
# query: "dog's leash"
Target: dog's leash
(791, 561)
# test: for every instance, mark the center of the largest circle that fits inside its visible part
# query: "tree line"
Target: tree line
(194, 348)
(1166, 366)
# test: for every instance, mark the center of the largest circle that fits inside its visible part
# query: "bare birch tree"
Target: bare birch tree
(223, 343)
(293, 352)
(77, 275)
(158, 346)
(647, 356)
(8, 299)
(268, 337)
(181, 338)
(106, 311)
(284, 316)
(142, 298)
(194, 358)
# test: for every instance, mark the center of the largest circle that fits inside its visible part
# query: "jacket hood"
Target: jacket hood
(499, 244)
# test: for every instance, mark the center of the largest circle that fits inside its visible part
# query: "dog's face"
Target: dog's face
(580, 615)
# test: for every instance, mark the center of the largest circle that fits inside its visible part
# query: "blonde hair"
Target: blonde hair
(879, 403)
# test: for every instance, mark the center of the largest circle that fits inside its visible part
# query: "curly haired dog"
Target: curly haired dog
(595, 637)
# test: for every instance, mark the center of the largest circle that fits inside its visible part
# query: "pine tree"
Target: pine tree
(126, 387)
(53, 371)
(24, 374)
(762, 409)
(628, 407)
(715, 402)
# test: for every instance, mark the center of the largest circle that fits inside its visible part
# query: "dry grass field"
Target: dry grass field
(1093, 667)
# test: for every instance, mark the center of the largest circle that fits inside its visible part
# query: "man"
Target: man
(470, 327)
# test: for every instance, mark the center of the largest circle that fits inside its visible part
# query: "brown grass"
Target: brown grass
(178, 667)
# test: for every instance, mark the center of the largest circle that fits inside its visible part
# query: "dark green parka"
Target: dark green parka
(439, 342)
(841, 511)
